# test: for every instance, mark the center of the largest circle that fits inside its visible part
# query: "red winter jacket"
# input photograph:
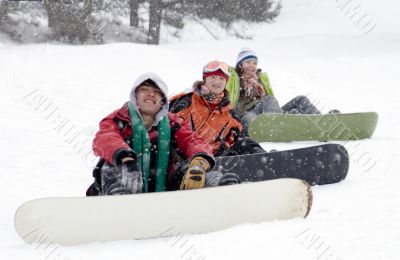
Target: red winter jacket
(112, 140)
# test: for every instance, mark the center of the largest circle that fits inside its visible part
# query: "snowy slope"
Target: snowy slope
(53, 97)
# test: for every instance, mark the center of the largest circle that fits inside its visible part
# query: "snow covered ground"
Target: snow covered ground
(53, 96)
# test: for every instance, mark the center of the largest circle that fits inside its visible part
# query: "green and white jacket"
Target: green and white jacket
(233, 85)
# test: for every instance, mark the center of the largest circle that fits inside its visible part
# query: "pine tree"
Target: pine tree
(226, 12)
(72, 21)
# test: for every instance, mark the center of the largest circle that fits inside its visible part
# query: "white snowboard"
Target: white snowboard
(78, 220)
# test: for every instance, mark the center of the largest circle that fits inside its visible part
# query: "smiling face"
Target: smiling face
(149, 99)
(216, 84)
(249, 65)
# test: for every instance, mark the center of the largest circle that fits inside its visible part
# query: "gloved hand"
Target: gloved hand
(194, 177)
(229, 179)
(132, 178)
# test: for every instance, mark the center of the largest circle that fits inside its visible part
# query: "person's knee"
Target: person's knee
(306, 107)
(303, 99)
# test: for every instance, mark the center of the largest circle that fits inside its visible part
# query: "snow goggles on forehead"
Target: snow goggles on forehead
(213, 66)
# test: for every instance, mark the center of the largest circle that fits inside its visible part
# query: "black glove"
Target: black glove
(131, 177)
(229, 179)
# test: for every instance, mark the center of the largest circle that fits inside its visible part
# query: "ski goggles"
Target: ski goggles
(213, 66)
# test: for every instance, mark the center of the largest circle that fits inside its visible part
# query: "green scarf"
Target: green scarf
(141, 146)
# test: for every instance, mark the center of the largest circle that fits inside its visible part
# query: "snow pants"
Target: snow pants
(269, 104)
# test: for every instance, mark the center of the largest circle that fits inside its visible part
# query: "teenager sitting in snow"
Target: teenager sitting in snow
(137, 144)
(251, 94)
(208, 109)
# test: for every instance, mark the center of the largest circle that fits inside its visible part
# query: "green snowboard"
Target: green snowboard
(321, 127)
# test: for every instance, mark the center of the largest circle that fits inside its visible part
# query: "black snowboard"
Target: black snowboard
(322, 164)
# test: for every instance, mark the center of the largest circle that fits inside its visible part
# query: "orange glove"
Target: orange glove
(195, 175)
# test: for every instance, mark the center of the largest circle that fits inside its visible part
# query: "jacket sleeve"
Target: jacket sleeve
(232, 86)
(267, 85)
(234, 133)
(189, 143)
(108, 143)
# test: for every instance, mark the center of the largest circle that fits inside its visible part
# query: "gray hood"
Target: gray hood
(163, 87)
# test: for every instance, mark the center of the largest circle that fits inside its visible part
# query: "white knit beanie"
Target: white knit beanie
(245, 54)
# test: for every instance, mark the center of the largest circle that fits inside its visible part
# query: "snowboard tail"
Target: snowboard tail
(316, 127)
(72, 221)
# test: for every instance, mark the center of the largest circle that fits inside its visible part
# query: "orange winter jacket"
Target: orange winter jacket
(216, 125)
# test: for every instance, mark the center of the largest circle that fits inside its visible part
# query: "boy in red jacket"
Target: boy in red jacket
(139, 144)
